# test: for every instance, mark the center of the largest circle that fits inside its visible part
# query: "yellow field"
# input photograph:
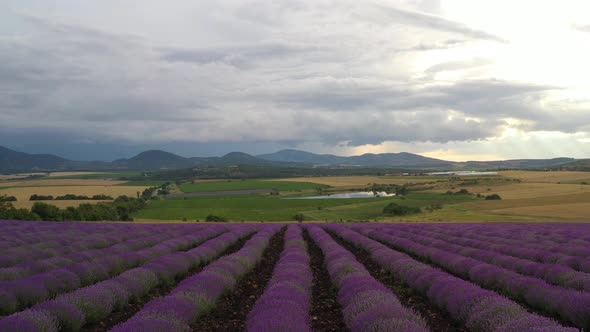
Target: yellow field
(457, 213)
(355, 181)
(559, 211)
(540, 196)
(23, 193)
(548, 177)
(60, 182)
(525, 190)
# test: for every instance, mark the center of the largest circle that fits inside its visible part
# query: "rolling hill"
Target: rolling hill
(13, 161)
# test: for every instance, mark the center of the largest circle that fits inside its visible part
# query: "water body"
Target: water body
(359, 194)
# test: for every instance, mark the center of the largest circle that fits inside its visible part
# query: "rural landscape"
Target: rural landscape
(294, 166)
(223, 247)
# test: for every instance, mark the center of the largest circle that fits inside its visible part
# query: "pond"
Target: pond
(358, 194)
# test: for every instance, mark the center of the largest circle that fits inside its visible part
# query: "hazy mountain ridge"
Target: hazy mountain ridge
(367, 159)
(13, 161)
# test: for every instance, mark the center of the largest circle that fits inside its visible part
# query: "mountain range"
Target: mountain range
(13, 161)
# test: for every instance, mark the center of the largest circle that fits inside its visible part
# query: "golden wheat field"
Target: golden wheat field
(548, 177)
(23, 193)
(17, 176)
(60, 182)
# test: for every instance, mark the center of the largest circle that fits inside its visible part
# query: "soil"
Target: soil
(132, 308)
(436, 319)
(231, 311)
(326, 312)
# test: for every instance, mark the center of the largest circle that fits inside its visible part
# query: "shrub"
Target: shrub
(299, 217)
(400, 210)
(36, 197)
(214, 218)
(493, 197)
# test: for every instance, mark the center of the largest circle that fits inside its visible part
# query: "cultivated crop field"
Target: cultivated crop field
(24, 193)
(247, 184)
(294, 277)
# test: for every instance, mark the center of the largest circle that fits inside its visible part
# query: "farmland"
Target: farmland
(294, 277)
(247, 184)
(526, 196)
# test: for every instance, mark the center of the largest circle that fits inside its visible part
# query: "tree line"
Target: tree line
(121, 209)
(69, 197)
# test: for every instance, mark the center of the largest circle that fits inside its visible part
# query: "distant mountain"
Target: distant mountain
(154, 159)
(13, 161)
(368, 159)
(576, 165)
(296, 156)
(519, 163)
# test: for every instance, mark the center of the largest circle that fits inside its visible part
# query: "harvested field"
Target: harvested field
(17, 176)
(548, 177)
(24, 193)
(572, 211)
(527, 190)
(60, 182)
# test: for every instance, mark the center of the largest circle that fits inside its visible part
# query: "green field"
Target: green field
(247, 184)
(251, 207)
(269, 208)
(147, 183)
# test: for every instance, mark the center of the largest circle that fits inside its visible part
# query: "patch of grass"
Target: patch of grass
(272, 208)
(247, 184)
(249, 208)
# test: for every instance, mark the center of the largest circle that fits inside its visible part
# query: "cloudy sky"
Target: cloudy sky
(452, 79)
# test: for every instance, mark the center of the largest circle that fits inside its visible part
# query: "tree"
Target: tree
(47, 211)
(299, 217)
(400, 210)
(214, 218)
(493, 197)
(9, 198)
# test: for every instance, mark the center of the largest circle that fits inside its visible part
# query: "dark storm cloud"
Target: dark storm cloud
(328, 79)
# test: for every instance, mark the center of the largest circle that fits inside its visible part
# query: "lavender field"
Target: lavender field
(294, 277)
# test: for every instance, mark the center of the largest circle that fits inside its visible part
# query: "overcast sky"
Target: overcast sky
(451, 79)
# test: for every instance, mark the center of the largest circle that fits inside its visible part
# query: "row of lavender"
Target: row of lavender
(523, 282)
(18, 235)
(285, 304)
(367, 305)
(567, 254)
(91, 304)
(476, 308)
(69, 254)
(21, 293)
(558, 274)
(197, 295)
(552, 240)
